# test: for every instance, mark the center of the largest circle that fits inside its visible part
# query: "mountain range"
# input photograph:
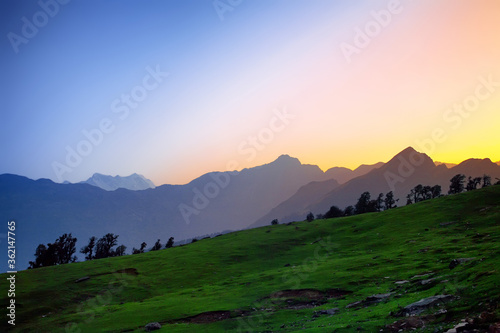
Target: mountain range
(285, 190)
(133, 182)
(214, 202)
(402, 173)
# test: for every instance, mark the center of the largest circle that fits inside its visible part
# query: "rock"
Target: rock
(152, 327)
(85, 278)
(455, 262)
(421, 275)
(369, 300)
(401, 282)
(424, 282)
(410, 323)
(464, 327)
(426, 303)
(329, 312)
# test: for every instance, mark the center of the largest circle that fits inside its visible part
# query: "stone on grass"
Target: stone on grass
(152, 327)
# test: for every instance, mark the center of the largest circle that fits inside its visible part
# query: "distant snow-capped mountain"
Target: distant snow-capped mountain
(134, 182)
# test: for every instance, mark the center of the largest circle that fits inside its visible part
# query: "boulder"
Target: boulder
(152, 327)
(401, 282)
(426, 303)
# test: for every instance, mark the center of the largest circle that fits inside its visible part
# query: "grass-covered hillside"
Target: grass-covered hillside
(353, 274)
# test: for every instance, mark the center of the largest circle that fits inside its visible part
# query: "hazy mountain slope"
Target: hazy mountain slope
(343, 175)
(477, 168)
(134, 182)
(402, 173)
(212, 203)
(448, 165)
(298, 203)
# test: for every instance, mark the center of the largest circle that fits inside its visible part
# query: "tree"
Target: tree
(436, 191)
(427, 192)
(88, 249)
(120, 251)
(170, 243)
(457, 184)
(43, 257)
(310, 217)
(274, 222)
(389, 201)
(473, 183)
(157, 246)
(418, 193)
(372, 206)
(320, 217)
(349, 210)
(486, 181)
(363, 204)
(60, 252)
(409, 198)
(141, 250)
(379, 202)
(104, 246)
(65, 249)
(333, 212)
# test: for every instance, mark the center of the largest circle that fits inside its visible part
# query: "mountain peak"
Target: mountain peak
(110, 183)
(408, 150)
(286, 159)
(412, 159)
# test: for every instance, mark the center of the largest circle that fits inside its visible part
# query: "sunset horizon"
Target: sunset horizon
(190, 87)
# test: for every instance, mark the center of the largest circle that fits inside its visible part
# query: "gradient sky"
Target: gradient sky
(229, 73)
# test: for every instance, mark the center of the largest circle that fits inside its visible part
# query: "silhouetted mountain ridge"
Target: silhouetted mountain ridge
(400, 174)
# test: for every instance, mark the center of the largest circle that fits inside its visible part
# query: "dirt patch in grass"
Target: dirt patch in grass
(130, 271)
(206, 317)
(303, 298)
(310, 294)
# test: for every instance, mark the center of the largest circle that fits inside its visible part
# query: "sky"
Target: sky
(178, 88)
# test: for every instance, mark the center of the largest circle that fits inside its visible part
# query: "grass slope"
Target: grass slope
(276, 278)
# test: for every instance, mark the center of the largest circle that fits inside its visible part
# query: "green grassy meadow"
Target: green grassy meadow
(278, 278)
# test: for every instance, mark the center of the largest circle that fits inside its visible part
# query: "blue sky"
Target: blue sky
(225, 78)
